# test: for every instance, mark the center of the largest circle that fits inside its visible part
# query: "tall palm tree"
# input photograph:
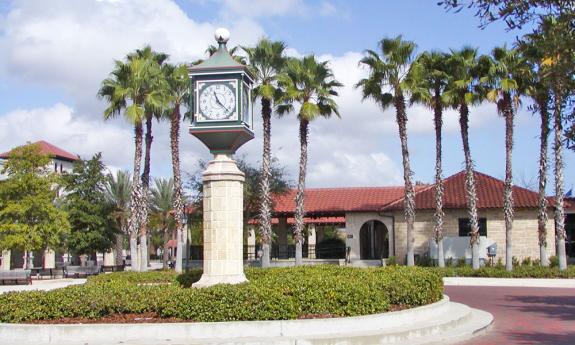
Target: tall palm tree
(386, 85)
(539, 92)
(553, 38)
(461, 93)
(155, 84)
(161, 203)
(118, 194)
(178, 89)
(124, 91)
(506, 82)
(128, 88)
(310, 84)
(266, 60)
(427, 79)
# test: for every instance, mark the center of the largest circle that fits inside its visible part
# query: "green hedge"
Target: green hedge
(271, 294)
(523, 271)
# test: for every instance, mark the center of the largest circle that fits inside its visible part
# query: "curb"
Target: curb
(425, 324)
(510, 282)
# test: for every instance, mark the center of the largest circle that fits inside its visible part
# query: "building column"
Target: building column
(283, 238)
(311, 241)
(251, 243)
(5, 260)
(49, 258)
(223, 223)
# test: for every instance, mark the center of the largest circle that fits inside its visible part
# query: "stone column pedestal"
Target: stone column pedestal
(5, 260)
(311, 241)
(251, 243)
(49, 258)
(109, 258)
(223, 223)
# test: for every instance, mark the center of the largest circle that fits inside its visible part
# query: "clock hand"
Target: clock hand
(220, 103)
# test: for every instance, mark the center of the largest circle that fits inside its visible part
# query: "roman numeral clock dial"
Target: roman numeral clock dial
(217, 101)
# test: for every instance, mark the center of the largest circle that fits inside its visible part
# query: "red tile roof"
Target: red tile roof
(340, 200)
(50, 150)
(569, 204)
(307, 220)
(325, 201)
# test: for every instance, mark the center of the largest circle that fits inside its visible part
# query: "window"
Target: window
(465, 227)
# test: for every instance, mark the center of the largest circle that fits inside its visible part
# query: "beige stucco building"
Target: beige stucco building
(372, 221)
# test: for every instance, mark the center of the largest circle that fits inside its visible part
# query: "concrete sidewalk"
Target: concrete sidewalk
(45, 285)
(511, 282)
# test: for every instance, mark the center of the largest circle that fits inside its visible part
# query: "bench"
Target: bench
(81, 271)
(15, 277)
(113, 268)
(40, 273)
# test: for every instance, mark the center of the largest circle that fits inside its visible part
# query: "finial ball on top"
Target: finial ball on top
(222, 35)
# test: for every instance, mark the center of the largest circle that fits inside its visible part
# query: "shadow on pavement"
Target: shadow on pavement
(541, 338)
(557, 307)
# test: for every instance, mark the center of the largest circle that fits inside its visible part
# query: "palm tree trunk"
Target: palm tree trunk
(178, 195)
(300, 195)
(166, 249)
(438, 230)
(144, 200)
(470, 185)
(266, 202)
(508, 190)
(542, 212)
(119, 248)
(401, 118)
(559, 208)
(135, 197)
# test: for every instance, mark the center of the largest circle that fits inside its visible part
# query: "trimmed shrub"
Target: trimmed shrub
(271, 294)
(523, 271)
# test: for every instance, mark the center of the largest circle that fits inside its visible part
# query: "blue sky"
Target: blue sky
(54, 54)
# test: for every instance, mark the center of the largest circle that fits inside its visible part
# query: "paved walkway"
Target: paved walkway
(523, 315)
(48, 284)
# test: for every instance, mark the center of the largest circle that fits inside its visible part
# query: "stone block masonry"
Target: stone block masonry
(223, 223)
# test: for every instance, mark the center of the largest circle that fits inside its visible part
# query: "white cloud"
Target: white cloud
(72, 44)
(264, 8)
(57, 125)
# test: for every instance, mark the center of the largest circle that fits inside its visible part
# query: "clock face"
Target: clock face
(217, 100)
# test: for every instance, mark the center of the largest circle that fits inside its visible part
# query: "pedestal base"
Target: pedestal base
(223, 223)
(210, 280)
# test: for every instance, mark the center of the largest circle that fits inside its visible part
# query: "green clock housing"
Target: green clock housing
(221, 102)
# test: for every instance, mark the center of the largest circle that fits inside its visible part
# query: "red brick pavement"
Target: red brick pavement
(522, 315)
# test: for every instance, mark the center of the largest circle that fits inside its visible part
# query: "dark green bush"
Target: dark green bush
(523, 271)
(271, 294)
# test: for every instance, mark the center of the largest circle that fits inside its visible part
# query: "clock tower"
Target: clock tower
(222, 120)
(221, 100)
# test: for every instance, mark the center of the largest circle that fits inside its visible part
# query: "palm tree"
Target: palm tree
(266, 61)
(506, 82)
(427, 78)
(178, 84)
(539, 92)
(553, 38)
(125, 84)
(161, 202)
(118, 194)
(154, 84)
(460, 94)
(386, 85)
(310, 84)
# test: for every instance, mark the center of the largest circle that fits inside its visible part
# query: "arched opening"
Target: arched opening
(373, 241)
